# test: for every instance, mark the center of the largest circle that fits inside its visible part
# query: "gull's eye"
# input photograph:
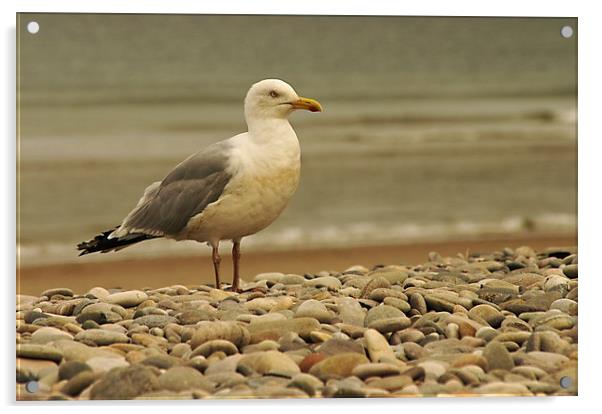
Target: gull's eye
(274, 94)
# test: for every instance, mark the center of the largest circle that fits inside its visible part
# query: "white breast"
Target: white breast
(265, 175)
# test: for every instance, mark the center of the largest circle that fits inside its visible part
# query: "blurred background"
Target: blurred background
(437, 132)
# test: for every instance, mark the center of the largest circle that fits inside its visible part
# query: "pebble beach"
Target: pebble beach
(483, 324)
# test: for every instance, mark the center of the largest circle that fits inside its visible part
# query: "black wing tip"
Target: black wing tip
(103, 244)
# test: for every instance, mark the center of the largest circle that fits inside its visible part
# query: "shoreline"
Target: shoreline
(151, 272)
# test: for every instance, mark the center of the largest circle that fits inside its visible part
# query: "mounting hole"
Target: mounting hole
(32, 386)
(566, 32)
(33, 27)
(566, 382)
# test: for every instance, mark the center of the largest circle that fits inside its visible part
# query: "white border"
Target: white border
(590, 70)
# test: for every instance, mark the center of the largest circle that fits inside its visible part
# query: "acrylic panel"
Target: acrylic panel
(295, 206)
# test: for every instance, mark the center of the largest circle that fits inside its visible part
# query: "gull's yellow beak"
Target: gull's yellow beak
(307, 103)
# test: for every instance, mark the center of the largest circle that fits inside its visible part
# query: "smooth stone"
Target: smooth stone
(49, 334)
(470, 359)
(570, 271)
(357, 269)
(215, 345)
(556, 283)
(351, 312)
(311, 360)
(278, 391)
(499, 284)
(226, 379)
(418, 303)
(380, 294)
(499, 388)
(181, 351)
(432, 369)
(199, 363)
(348, 388)
(267, 345)
(161, 361)
(557, 321)
(319, 336)
(101, 337)
(192, 316)
(33, 315)
(219, 295)
(546, 341)
(155, 321)
(364, 371)
(268, 317)
(398, 303)
(548, 361)
(291, 279)
(57, 291)
(113, 327)
(383, 312)
(410, 335)
(99, 292)
(103, 364)
(350, 291)
(373, 284)
(438, 304)
(269, 304)
(518, 306)
(127, 299)
(567, 306)
(229, 331)
(56, 321)
(262, 330)
(184, 378)
(337, 366)
(75, 385)
(329, 282)
(393, 277)
(306, 382)
(487, 333)
(486, 313)
(512, 323)
(339, 346)
(69, 369)
(125, 383)
(149, 341)
(391, 383)
(497, 356)
(377, 346)
(314, 309)
(390, 324)
(100, 313)
(529, 372)
(272, 277)
(270, 362)
(228, 364)
(37, 351)
(76, 351)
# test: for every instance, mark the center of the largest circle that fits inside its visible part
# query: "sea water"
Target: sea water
(432, 128)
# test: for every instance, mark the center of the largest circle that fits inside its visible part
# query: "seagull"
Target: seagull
(228, 190)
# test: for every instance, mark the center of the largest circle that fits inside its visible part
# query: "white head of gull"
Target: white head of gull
(226, 191)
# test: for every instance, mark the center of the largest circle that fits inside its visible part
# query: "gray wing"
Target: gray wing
(166, 207)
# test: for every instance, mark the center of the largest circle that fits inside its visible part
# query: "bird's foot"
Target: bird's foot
(233, 289)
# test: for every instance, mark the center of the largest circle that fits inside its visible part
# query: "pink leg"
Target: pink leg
(236, 265)
(216, 262)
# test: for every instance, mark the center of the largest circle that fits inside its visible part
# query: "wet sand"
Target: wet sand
(130, 274)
